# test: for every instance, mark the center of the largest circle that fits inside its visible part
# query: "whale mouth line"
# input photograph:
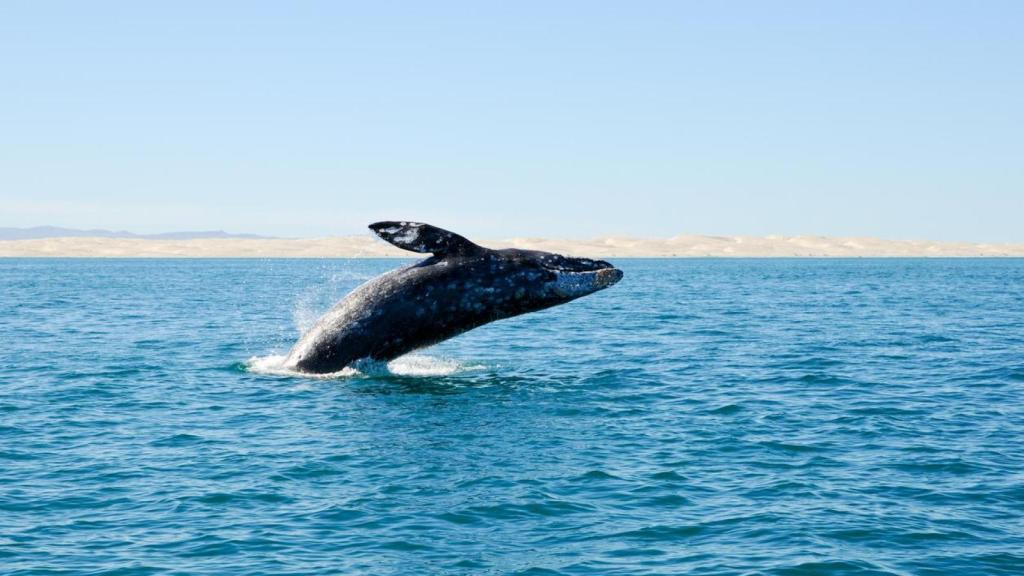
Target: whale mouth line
(603, 276)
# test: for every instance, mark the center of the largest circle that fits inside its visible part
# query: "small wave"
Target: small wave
(415, 365)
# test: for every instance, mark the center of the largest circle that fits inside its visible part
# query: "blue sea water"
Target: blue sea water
(701, 417)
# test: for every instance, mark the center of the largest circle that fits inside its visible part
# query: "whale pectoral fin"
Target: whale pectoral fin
(424, 238)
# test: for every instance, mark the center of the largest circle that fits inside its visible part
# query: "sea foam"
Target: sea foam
(411, 365)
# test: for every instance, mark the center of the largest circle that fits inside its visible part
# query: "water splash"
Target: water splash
(274, 365)
(407, 366)
(312, 303)
(418, 365)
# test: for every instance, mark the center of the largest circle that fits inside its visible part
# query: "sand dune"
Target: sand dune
(612, 246)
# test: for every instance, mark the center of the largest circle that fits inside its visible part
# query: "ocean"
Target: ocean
(703, 416)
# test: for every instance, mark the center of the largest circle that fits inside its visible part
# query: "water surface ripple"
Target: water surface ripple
(702, 417)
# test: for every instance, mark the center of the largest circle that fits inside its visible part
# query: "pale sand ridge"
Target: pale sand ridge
(367, 246)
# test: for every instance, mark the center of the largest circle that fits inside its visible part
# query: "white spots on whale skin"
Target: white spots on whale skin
(405, 235)
(408, 234)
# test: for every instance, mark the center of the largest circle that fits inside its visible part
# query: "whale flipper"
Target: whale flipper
(424, 238)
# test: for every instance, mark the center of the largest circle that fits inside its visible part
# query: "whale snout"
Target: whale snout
(607, 277)
(575, 284)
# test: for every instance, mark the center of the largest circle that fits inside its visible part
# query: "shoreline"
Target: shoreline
(683, 246)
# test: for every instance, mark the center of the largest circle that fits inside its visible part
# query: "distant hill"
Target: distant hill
(221, 245)
(40, 232)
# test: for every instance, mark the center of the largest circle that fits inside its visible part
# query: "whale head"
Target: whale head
(542, 279)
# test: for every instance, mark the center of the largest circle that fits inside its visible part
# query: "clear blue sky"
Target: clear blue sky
(892, 119)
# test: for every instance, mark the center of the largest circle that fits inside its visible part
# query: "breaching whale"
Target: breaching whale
(461, 286)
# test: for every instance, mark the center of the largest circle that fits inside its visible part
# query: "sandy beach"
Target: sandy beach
(367, 246)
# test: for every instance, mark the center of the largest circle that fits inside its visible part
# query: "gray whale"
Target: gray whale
(461, 286)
